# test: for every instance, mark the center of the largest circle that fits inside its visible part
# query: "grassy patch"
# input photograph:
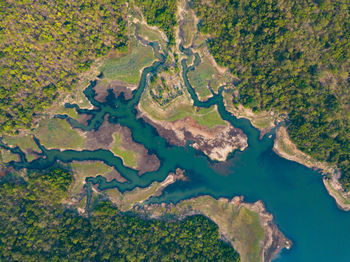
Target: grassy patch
(84, 169)
(148, 33)
(127, 200)
(344, 199)
(127, 67)
(248, 230)
(57, 133)
(240, 225)
(6, 156)
(129, 157)
(24, 142)
(189, 28)
(180, 108)
(199, 78)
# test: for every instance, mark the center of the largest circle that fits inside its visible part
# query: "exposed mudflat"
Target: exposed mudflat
(117, 87)
(114, 174)
(84, 119)
(217, 142)
(103, 138)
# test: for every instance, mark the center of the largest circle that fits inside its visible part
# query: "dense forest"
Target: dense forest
(291, 57)
(45, 45)
(36, 226)
(162, 14)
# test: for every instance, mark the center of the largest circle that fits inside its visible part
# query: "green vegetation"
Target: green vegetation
(128, 199)
(189, 28)
(25, 142)
(57, 133)
(35, 226)
(46, 45)
(148, 33)
(240, 225)
(6, 156)
(166, 86)
(129, 157)
(292, 57)
(261, 120)
(84, 169)
(180, 108)
(162, 14)
(126, 67)
(199, 79)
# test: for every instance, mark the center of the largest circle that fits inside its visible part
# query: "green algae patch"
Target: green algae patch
(57, 133)
(127, 67)
(129, 157)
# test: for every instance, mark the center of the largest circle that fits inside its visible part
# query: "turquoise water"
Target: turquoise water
(295, 195)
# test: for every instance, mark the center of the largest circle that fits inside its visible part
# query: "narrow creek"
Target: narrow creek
(294, 194)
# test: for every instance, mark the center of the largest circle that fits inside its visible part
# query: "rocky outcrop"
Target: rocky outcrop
(217, 143)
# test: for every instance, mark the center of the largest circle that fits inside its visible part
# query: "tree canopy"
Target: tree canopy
(45, 45)
(291, 57)
(36, 226)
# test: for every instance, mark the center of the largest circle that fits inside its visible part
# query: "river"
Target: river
(294, 194)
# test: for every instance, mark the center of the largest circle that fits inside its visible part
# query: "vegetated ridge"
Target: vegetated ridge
(291, 57)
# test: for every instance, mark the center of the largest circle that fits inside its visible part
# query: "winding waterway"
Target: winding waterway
(294, 194)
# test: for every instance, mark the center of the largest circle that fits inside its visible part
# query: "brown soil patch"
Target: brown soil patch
(114, 175)
(217, 143)
(103, 139)
(83, 119)
(117, 87)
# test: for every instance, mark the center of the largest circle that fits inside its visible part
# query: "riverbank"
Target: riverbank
(285, 148)
(127, 200)
(335, 189)
(263, 121)
(217, 142)
(246, 226)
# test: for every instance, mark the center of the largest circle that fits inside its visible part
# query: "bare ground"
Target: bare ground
(103, 139)
(217, 143)
(116, 86)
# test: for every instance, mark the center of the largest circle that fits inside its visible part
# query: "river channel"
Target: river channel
(294, 194)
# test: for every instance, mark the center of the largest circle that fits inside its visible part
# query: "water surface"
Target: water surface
(294, 194)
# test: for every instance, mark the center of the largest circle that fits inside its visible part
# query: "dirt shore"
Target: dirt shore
(217, 143)
(227, 215)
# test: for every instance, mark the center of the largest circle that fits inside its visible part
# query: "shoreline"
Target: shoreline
(216, 143)
(335, 189)
(230, 212)
(285, 148)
